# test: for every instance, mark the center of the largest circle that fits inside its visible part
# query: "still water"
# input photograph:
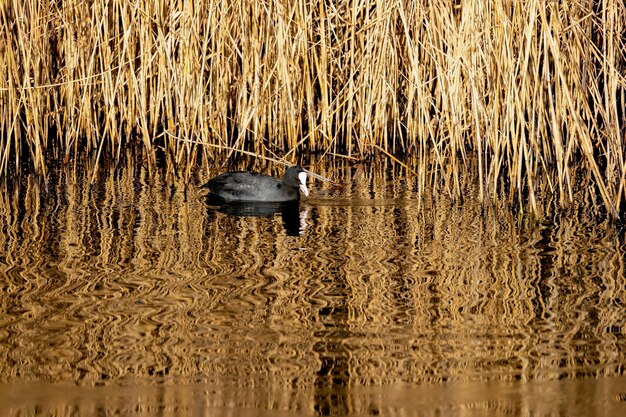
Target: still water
(124, 292)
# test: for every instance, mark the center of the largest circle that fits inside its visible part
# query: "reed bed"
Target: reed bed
(533, 91)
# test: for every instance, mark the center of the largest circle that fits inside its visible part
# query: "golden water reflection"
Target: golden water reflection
(134, 281)
(572, 397)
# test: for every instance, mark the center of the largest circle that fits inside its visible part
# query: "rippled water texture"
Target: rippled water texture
(134, 296)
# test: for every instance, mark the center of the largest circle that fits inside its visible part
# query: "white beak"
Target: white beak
(302, 181)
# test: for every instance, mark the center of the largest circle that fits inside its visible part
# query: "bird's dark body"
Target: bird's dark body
(248, 186)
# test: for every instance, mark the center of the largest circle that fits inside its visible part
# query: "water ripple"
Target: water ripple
(130, 278)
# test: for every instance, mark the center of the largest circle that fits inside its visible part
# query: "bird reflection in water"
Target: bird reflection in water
(294, 218)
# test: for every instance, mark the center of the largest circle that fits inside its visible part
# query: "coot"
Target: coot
(249, 186)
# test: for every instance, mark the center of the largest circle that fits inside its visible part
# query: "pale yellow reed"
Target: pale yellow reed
(529, 89)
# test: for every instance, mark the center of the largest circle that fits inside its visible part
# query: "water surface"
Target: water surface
(131, 295)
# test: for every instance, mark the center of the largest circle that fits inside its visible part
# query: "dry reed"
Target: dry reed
(531, 89)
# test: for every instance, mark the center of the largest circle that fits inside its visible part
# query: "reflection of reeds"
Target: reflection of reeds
(528, 88)
(127, 277)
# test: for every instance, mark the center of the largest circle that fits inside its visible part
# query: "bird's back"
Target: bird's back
(247, 186)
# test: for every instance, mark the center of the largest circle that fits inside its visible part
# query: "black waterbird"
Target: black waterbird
(255, 187)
